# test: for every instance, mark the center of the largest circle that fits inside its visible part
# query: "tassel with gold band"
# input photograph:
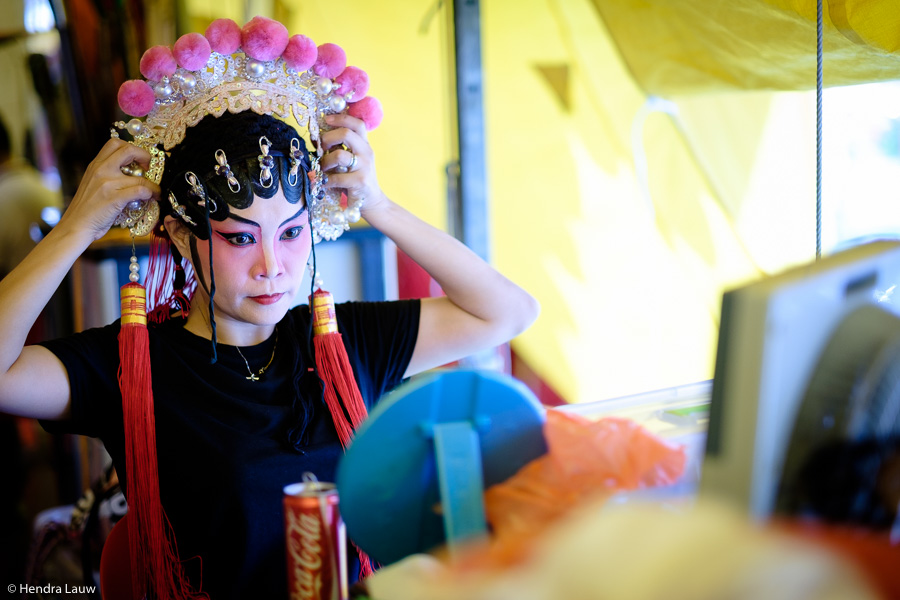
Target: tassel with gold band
(341, 392)
(155, 565)
(342, 396)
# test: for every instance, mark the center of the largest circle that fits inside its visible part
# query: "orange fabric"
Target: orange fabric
(585, 460)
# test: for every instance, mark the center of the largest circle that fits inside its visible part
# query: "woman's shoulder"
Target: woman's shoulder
(94, 350)
(367, 309)
(356, 316)
(87, 337)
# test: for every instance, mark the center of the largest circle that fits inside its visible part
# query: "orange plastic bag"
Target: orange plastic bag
(585, 460)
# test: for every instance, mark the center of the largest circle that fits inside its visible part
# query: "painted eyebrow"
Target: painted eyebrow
(243, 220)
(289, 219)
(255, 224)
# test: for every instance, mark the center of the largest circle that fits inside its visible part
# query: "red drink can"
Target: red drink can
(315, 541)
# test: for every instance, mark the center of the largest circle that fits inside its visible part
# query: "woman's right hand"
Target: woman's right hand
(104, 190)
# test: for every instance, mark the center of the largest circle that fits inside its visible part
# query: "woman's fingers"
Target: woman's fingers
(109, 148)
(137, 188)
(127, 154)
(341, 160)
(105, 190)
(345, 121)
(119, 183)
(111, 195)
(343, 137)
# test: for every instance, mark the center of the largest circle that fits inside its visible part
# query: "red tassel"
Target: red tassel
(365, 563)
(337, 376)
(156, 568)
(341, 392)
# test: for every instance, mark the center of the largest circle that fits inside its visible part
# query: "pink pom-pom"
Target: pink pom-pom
(263, 38)
(224, 36)
(354, 84)
(158, 62)
(136, 98)
(191, 51)
(300, 53)
(368, 110)
(330, 61)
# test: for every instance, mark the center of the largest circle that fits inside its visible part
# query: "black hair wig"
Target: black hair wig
(238, 136)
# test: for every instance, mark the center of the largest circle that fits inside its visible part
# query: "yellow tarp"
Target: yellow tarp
(641, 213)
(689, 46)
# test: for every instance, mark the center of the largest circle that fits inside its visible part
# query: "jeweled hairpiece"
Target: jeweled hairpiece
(296, 155)
(179, 209)
(224, 169)
(259, 68)
(266, 163)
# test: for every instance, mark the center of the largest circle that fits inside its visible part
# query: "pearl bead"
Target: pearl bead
(187, 80)
(134, 259)
(133, 277)
(337, 218)
(134, 267)
(323, 86)
(163, 90)
(255, 68)
(352, 214)
(337, 104)
(134, 127)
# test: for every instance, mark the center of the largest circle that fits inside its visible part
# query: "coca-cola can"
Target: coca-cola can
(315, 541)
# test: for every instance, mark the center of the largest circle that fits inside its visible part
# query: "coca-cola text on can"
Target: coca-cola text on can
(315, 542)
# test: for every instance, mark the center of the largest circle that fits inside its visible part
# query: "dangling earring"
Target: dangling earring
(314, 276)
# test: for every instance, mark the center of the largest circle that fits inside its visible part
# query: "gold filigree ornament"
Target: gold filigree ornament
(140, 216)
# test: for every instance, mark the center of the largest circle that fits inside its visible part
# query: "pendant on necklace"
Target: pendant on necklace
(255, 376)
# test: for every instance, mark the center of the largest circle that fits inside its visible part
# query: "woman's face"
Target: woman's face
(259, 257)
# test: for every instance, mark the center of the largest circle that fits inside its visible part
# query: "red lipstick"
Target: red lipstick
(267, 299)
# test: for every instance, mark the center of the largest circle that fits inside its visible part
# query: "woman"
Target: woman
(232, 431)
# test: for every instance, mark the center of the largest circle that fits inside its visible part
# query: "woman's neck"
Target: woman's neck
(228, 332)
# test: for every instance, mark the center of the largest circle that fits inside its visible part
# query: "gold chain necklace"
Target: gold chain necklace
(255, 376)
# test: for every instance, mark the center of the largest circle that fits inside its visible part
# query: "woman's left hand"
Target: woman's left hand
(349, 161)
